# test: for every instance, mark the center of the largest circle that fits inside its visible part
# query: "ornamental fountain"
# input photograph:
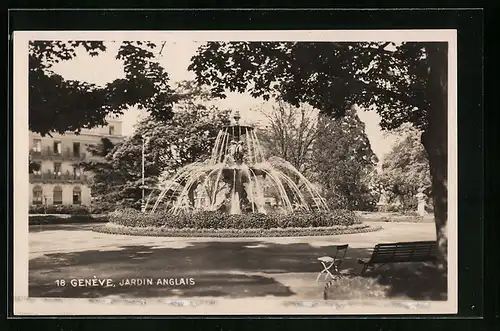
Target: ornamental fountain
(235, 178)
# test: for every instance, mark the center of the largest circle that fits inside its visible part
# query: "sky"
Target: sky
(175, 58)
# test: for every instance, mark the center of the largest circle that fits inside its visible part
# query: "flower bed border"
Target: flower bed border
(111, 228)
(399, 219)
(66, 219)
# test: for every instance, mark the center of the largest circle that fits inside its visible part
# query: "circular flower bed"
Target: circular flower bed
(234, 233)
(216, 220)
(214, 224)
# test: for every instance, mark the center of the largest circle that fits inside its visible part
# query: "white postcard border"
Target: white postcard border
(41, 306)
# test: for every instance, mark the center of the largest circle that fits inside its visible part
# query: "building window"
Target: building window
(58, 195)
(57, 147)
(57, 169)
(37, 145)
(111, 130)
(76, 149)
(77, 172)
(35, 168)
(77, 195)
(37, 195)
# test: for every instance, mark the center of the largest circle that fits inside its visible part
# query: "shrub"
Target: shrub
(353, 287)
(95, 208)
(402, 218)
(102, 207)
(60, 209)
(394, 208)
(215, 220)
(53, 219)
(418, 281)
(363, 200)
(411, 213)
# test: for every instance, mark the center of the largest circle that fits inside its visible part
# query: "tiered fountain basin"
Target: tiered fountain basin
(228, 196)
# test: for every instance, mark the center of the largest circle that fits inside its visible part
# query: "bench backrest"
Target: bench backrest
(417, 251)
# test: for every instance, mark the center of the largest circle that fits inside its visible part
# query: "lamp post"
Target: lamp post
(143, 185)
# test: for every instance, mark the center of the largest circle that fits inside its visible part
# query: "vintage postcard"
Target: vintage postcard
(235, 172)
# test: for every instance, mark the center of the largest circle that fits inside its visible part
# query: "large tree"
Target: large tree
(303, 138)
(344, 162)
(405, 170)
(289, 133)
(404, 82)
(58, 105)
(168, 145)
(106, 180)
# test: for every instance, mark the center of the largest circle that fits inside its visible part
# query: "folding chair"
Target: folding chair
(334, 262)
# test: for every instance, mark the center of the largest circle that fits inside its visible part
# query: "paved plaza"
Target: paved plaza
(221, 268)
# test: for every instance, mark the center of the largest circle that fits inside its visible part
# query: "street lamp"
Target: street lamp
(143, 186)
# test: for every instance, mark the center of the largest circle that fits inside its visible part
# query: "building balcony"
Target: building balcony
(49, 154)
(50, 177)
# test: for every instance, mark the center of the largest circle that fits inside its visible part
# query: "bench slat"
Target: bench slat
(418, 243)
(405, 249)
(405, 253)
(403, 258)
(401, 255)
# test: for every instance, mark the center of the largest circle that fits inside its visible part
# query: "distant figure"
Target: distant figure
(238, 154)
(232, 148)
(421, 204)
(235, 151)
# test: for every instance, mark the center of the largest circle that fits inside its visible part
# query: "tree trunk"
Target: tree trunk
(435, 141)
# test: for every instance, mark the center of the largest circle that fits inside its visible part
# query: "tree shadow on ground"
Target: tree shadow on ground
(213, 285)
(422, 281)
(220, 269)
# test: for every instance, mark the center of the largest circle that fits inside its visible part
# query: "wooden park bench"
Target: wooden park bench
(417, 251)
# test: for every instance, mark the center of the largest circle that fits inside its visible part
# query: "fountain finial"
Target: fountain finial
(237, 117)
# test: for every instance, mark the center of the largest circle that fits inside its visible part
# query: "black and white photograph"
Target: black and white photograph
(235, 172)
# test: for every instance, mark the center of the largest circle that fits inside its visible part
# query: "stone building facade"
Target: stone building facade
(56, 178)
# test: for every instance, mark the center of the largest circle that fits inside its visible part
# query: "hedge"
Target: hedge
(232, 233)
(216, 220)
(97, 208)
(52, 219)
(404, 219)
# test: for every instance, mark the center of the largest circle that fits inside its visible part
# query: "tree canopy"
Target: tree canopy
(303, 137)
(289, 134)
(404, 83)
(405, 170)
(59, 105)
(344, 162)
(106, 179)
(169, 144)
(330, 76)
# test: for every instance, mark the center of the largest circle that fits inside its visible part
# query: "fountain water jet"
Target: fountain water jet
(232, 179)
